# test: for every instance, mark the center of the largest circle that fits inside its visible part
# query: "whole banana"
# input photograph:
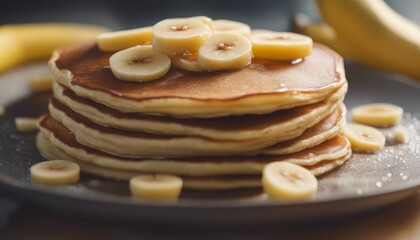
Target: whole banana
(321, 33)
(22, 43)
(377, 35)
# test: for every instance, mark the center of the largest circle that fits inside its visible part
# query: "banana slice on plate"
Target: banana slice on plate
(280, 45)
(225, 51)
(119, 40)
(397, 135)
(24, 124)
(139, 64)
(400, 135)
(377, 114)
(288, 181)
(223, 26)
(55, 172)
(159, 186)
(364, 138)
(179, 35)
(186, 61)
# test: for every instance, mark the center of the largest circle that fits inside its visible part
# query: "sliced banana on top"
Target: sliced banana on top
(119, 40)
(187, 61)
(206, 20)
(225, 51)
(280, 45)
(139, 64)
(179, 35)
(223, 26)
(288, 181)
(260, 30)
(159, 186)
(377, 114)
(364, 138)
(55, 172)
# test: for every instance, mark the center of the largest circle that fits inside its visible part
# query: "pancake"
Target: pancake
(197, 183)
(260, 88)
(237, 128)
(64, 139)
(329, 127)
(137, 144)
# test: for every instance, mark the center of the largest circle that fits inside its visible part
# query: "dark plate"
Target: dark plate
(364, 182)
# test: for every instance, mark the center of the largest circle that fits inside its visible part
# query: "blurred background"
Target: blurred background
(121, 14)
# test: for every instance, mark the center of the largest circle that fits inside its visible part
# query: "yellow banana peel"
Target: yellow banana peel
(22, 43)
(321, 33)
(371, 33)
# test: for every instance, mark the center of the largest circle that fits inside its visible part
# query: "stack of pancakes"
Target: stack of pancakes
(216, 130)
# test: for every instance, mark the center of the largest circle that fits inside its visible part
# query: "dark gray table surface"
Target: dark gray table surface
(270, 14)
(126, 14)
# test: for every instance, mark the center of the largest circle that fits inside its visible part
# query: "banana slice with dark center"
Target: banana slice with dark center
(158, 186)
(364, 138)
(55, 172)
(225, 51)
(139, 64)
(288, 181)
(377, 114)
(180, 35)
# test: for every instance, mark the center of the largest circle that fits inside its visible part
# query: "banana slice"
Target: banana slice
(159, 186)
(225, 51)
(24, 124)
(206, 20)
(179, 35)
(41, 83)
(186, 61)
(139, 64)
(258, 31)
(2, 111)
(55, 172)
(223, 26)
(364, 138)
(280, 45)
(401, 135)
(288, 181)
(398, 135)
(119, 40)
(378, 114)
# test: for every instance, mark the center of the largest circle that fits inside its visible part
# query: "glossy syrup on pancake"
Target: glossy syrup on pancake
(91, 70)
(260, 88)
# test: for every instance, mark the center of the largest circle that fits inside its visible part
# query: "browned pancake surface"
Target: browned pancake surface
(91, 70)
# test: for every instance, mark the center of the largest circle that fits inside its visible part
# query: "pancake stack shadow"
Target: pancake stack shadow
(216, 130)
